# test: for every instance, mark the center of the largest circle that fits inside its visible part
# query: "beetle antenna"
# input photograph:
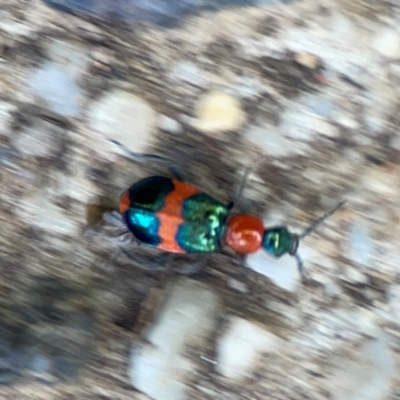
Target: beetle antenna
(299, 263)
(318, 221)
(141, 156)
(173, 168)
(242, 184)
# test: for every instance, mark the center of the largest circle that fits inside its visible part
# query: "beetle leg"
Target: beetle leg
(122, 238)
(173, 168)
(114, 218)
(158, 263)
(240, 188)
(175, 172)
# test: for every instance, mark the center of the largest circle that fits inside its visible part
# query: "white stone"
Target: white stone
(219, 112)
(342, 28)
(189, 72)
(394, 301)
(380, 103)
(37, 142)
(237, 285)
(282, 271)
(395, 142)
(6, 118)
(355, 276)
(57, 88)
(347, 121)
(168, 124)
(387, 43)
(380, 181)
(361, 246)
(17, 28)
(367, 378)
(319, 104)
(249, 87)
(270, 140)
(71, 55)
(240, 347)
(301, 123)
(158, 374)
(323, 127)
(159, 368)
(76, 186)
(41, 212)
(125, 118)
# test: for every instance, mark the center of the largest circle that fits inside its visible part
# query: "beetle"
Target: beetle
(176, 217)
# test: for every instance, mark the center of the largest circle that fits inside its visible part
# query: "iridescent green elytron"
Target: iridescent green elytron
(204, 224)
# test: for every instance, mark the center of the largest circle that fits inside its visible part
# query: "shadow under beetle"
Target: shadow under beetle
(176, 217)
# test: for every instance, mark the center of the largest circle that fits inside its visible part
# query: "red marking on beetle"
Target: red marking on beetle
(170, 216)
(244, 233)
(124, 203)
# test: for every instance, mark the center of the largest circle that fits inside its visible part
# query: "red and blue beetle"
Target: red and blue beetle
(176, 217)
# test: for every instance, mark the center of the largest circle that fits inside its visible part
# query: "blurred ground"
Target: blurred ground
(305, 92)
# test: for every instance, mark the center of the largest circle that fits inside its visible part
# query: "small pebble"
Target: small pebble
(6, 117)
(319, 104)
(189, 72)
(75, 186)
(237, 285)
(308, 60)
(347, 121)
(270, 140)
(298, 123)
(395, 142)
(70, 55)
(380, 180)
(361, 246)
(355, 276)
(124, 118)
(249, 87)
(387, 43)
(57, 88)
(380, 104)
(14, 28)
(308, 117)
(159, 368)
(282, 272)
(44, 214)
(367, 376)
(325, 128)
(169, 125)
(241, 346)
(38, 141)
(219, 112)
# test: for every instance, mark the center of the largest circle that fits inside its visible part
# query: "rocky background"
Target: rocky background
(304, 92)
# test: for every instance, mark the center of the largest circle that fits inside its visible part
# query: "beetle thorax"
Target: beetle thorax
(244, 233)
